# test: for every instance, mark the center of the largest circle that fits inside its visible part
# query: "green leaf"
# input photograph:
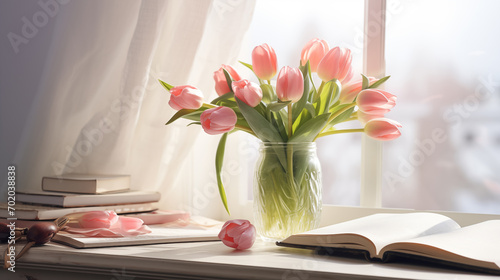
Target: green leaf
(278, 122)
(277, 105)
(229, 79)
(328, 96)
(249, 66)
(310, 129)
(258, 123)
(366, 82)
(342, 117)
(299, 105)
(219, 158)
(379, 82)
(268, 94)
(225, 96)
(194, 123)
(181, 113)
(310, 108)
(165, 85)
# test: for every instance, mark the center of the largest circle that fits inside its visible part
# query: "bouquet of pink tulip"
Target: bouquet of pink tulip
(292, 111)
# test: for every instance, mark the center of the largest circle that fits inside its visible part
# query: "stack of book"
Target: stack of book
(73, 193)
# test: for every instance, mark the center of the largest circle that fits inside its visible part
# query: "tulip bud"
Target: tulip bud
(221, 86)
(218, 120)
(336, 64)
(313, 52)
(264, 62)
(248, 92)
(383, 129)
(238, 234)
(98, 219)
(185, 97)
(352, 89)
(290, 84)
(375, 101)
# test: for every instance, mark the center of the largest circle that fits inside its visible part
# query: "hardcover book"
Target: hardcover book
(40, 212)
(80, 200)
(86, 183)
(427, 236)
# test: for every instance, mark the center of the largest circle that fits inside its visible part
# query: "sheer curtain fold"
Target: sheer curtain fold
(100, 108)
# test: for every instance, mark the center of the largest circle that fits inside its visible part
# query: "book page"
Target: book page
(380, 229)
(477, 245)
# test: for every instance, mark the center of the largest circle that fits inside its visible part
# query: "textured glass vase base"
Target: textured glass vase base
(287, 189)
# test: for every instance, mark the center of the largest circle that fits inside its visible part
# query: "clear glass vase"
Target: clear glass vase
(287, 189)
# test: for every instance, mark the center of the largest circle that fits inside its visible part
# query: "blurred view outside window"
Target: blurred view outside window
(444, 62)
(444, 58)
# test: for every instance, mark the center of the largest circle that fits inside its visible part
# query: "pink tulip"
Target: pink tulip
(108, 224)
(383, 129)
(218, 120)
(238, 234)
(314, 51)
(264, 62)
(98, 219)
(221, 86)
(248, 92)
(351, 90)
(290, 84)
(375, 101)
(365, 117)
(336, 64)
(185, 97)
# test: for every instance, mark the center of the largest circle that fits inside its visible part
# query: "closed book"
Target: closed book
(80, 200)
(38, 212)
(205, 230)
(86, 183)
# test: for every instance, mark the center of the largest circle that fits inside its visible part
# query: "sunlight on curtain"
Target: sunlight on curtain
(99, 107)
(444, 61)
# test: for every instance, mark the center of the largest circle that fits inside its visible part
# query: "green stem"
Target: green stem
(339, 131)
(290, 147)
(353, 118)
(207, 105)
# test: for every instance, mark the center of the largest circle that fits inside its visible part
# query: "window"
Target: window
(444, 62)
(444, 69)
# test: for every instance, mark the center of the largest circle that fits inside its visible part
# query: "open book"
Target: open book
(425, 236)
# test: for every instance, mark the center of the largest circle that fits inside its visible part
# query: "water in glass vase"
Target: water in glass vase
(287, 189)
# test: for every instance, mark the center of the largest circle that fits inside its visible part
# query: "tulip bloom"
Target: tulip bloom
(375, 101)
(313, 52)
(290, 84)
(221, 86)
(248, 92)
(238, 234)
(383, 129)
(336, 64)
(185, 97)
(218, 120)
(351, 90)
(108, 224)
(264, 62)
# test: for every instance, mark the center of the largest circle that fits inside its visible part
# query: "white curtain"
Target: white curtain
(99, 107)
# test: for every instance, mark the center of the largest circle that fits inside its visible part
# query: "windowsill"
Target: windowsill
(212, 260)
